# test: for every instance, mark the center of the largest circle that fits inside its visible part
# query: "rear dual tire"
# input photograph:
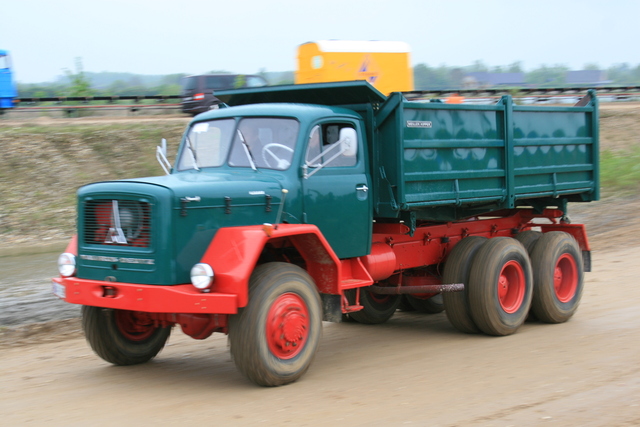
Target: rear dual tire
(431, 305)
(506, 280)
(500, 286)
(376, 308)
(456, 270)
(558, 277)
(528, 238)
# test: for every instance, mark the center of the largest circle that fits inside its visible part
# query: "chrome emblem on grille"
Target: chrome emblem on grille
(115, 234)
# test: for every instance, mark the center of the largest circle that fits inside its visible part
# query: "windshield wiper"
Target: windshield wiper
(192, 151)
(247, 151)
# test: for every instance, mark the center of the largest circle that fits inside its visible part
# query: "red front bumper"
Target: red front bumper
(147, 298)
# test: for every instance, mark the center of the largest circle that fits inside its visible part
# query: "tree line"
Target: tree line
(81, 83)
(444, 77)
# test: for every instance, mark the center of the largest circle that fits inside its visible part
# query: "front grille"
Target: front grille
(117, 223)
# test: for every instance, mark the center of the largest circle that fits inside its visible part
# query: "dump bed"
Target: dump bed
(443, 162)
(446, 162)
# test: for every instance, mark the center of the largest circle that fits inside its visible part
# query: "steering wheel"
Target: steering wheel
(281, 163)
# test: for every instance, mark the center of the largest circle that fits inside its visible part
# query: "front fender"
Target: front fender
(72, 246)
(234, 252)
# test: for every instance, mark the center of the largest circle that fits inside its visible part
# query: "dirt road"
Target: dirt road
(416, 369)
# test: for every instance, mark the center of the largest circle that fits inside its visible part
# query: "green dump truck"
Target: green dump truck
(291, 205)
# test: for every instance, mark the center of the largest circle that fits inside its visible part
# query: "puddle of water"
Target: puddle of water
(27, 267)
(25, 291)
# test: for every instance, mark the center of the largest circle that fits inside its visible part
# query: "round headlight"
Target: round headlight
(67, 264)
(201, 276)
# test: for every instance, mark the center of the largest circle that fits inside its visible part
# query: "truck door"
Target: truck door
(336, 187)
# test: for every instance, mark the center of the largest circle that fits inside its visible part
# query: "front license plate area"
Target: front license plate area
(59, 290)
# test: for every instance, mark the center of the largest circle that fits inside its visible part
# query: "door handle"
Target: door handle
(362, 188)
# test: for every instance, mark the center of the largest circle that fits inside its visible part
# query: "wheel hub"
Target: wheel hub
(565, 278)
(135, 326)
(511, 287)
(287, 326)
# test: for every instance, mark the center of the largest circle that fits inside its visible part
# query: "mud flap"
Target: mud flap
(331, 308)
(586, 261)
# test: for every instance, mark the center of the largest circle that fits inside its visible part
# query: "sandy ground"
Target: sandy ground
(414, 370)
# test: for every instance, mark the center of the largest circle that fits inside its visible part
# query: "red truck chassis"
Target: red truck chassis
(234, 253)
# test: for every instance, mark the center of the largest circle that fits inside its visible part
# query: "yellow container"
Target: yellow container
(384, 64)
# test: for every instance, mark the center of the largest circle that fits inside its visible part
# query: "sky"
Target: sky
(155, 37)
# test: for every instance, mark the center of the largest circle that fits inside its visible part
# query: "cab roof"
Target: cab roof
(281, 109)
(334, 94)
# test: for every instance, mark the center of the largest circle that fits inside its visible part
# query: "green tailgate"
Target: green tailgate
(445, 162)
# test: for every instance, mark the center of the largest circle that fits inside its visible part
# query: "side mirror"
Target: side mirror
(348, 142)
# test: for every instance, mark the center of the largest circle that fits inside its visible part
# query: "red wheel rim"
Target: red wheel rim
(511, 286)
(134, 326)
(378, 298)
(287, 326)
(565, 278)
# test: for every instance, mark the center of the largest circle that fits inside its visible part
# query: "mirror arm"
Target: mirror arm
(332, 158)
(161, 156)
(324, 153)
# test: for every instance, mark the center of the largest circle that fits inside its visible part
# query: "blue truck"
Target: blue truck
(7, 87)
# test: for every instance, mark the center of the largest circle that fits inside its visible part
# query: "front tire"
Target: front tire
(275, 337)
(122, 337)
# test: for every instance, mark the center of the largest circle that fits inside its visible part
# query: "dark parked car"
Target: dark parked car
(197, 91)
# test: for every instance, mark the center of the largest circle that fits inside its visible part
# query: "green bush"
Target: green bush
(620, 171)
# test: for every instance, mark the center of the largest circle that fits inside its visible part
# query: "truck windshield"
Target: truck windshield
(266, 143)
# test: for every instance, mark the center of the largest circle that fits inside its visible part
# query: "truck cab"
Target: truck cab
(241, 166)
(316, 153)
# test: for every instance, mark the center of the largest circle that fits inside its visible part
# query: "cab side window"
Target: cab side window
(322, 147)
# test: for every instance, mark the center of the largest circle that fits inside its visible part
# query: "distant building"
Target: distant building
(479, 80)
(484, 80)
(587, 78)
